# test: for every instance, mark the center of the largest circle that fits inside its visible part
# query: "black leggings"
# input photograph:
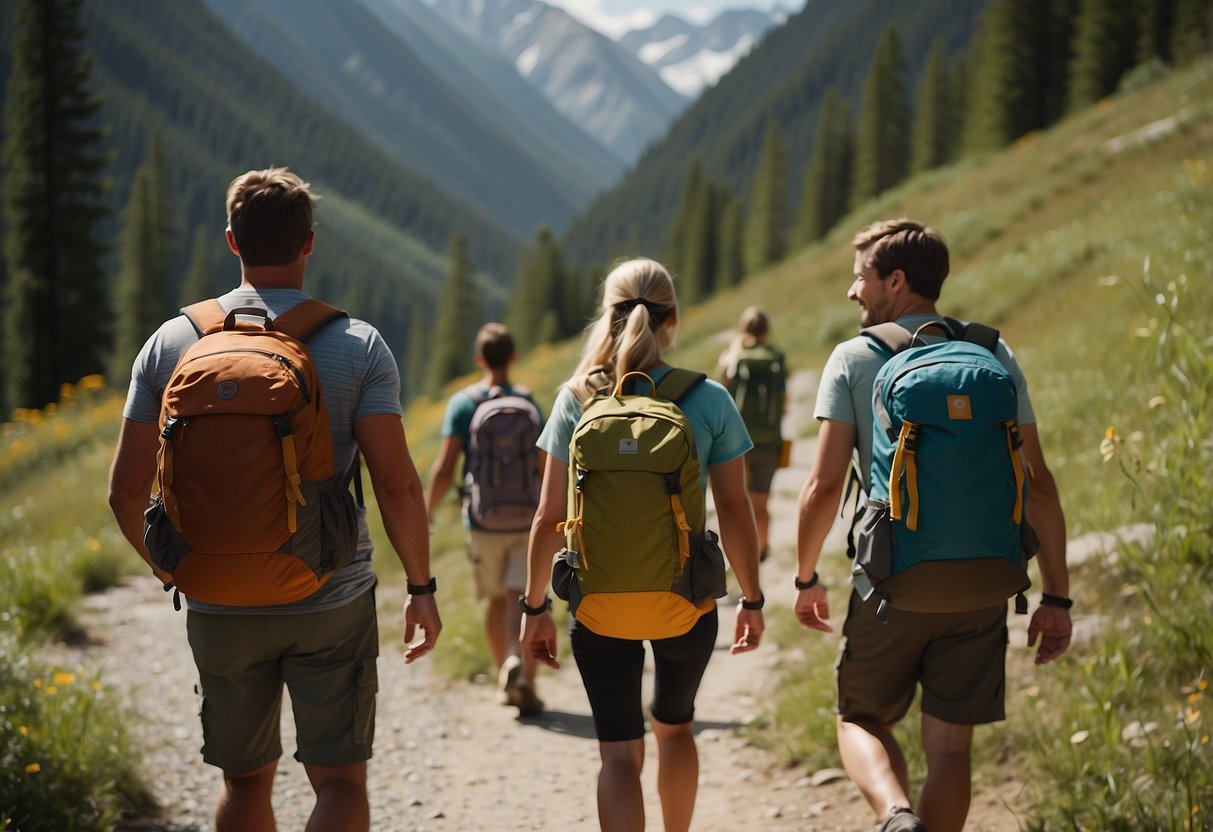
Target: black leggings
(611, 670)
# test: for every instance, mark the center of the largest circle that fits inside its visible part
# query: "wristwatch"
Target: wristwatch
(539, 610)
(428, 588)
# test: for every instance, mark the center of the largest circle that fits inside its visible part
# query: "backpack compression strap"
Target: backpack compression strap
(674, 386)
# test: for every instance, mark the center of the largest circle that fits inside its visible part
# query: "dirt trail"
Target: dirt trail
(449, 757)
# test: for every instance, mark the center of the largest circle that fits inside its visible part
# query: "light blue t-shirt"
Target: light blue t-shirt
(358, 377)
(720, 433)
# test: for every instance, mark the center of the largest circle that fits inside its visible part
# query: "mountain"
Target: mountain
(343, 56)
(783, 80)
(616, 98)
(690, 57)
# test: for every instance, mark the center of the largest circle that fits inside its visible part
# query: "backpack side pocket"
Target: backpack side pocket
(164, 543)
(874, 552)
(704, 575)
(564, 579)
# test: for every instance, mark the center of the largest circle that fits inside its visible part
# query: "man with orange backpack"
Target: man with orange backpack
(247, 414)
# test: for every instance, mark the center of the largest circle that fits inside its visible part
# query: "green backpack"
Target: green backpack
(639, 563)
(757, 380)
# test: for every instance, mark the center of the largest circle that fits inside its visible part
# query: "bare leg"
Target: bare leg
(244, 801)
(620, 799)
(677, 774)
(946, 793)
(875, 764)
(495, 631)
(762, 518)
(341, 800)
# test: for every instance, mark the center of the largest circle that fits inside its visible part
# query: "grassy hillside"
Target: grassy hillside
(1050, 240)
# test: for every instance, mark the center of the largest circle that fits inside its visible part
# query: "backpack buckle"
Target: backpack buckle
(282, 424)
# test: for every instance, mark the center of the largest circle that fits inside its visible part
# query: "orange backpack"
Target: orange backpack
(248, 510)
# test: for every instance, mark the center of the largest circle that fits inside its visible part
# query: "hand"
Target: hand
(420, 611)
(747, 632)
(539, 638)
(1053, 626)
(812, 608)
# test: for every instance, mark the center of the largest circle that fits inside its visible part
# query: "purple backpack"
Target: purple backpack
(501, 488)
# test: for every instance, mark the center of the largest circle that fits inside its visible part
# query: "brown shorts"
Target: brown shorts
(327, 661)
(761, 463)
(959, 659)
(498, 562)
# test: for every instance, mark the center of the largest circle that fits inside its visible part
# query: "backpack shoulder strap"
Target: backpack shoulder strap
(304, 319)
(206, 316)
(475, 393)
(975, 333)
(675, 384)
(892, 336)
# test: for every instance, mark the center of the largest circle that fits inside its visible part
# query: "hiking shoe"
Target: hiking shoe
(901, 819)
(527, 701)
(509, 678)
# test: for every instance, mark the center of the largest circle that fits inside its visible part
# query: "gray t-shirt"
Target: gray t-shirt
(359, 377)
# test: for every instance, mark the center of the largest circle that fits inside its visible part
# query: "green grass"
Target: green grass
(1050, 242)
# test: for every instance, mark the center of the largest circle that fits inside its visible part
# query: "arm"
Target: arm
(1051, 623)
(442, 472)
(539, 631)
(130, 484)
(816, 509)
(740, 540)
(398, 492)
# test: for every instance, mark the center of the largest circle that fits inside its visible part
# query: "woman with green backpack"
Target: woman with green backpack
(632, 444)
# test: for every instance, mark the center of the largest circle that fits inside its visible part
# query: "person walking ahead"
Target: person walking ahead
(958, 658)
(756, 374)
(502, 499)
(324, 646)
(637, 324)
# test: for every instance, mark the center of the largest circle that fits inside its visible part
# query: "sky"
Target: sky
(616, 17)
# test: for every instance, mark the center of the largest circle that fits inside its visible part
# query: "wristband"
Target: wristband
(809, 584)
(752, 605)
(428, 588)
(539, 610)
(1056, 601)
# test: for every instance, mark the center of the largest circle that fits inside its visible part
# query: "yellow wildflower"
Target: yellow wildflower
(63, 678)
(1191, 716)
(93, 382)
(33, 768)
(1107, 446)
(94, 545)
(38, 682)
(23, 731)
(51, 690)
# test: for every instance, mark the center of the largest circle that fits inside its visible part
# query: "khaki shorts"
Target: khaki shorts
(761, 463)
(327, 661)
(959, 659)
(498, 562)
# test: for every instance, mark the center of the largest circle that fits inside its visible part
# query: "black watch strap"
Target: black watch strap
(1056, 601)
(539, 610)
(809, 584)
(422, 589)
(746, 604)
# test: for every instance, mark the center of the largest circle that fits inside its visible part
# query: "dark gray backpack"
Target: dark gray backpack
(501, 487)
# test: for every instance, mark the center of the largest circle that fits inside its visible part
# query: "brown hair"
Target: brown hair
(270, 215)
(917, 249)
(495, 345)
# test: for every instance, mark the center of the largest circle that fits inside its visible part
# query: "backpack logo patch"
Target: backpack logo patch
(629, 446)
(227, 390)
(959, 407)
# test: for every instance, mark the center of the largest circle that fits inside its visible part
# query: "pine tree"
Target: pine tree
(541, 285)
(458, 316)
(697, 272)
(675, 243)
(55, 301)
(143, 291)
(416, 351)
(827, 178)
(767, 221)
(933, 136)
(730, 267)
(1155, 31)
(882, 141)
(1191, 31)
(202, 275)
(1105, 48)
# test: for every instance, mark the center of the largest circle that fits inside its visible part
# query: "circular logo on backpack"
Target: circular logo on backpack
(227, 390)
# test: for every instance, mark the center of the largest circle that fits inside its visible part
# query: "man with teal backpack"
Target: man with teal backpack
(950, 457)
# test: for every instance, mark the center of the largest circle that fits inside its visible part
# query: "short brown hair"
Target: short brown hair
(270, 215)
(917, 249)
(495, 345)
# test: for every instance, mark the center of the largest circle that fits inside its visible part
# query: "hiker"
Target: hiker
(636, 326)
(756, 374)
(957, 657)
(323, 645)
(493, 425)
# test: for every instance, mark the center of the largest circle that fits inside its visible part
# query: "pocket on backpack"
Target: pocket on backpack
(564, 578)
(706, 568)
(338, 528)
(874, 552)
(164, 543)
(1029, 541)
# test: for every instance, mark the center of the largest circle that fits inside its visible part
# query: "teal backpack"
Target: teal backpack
(945, 527)
(757, 380)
